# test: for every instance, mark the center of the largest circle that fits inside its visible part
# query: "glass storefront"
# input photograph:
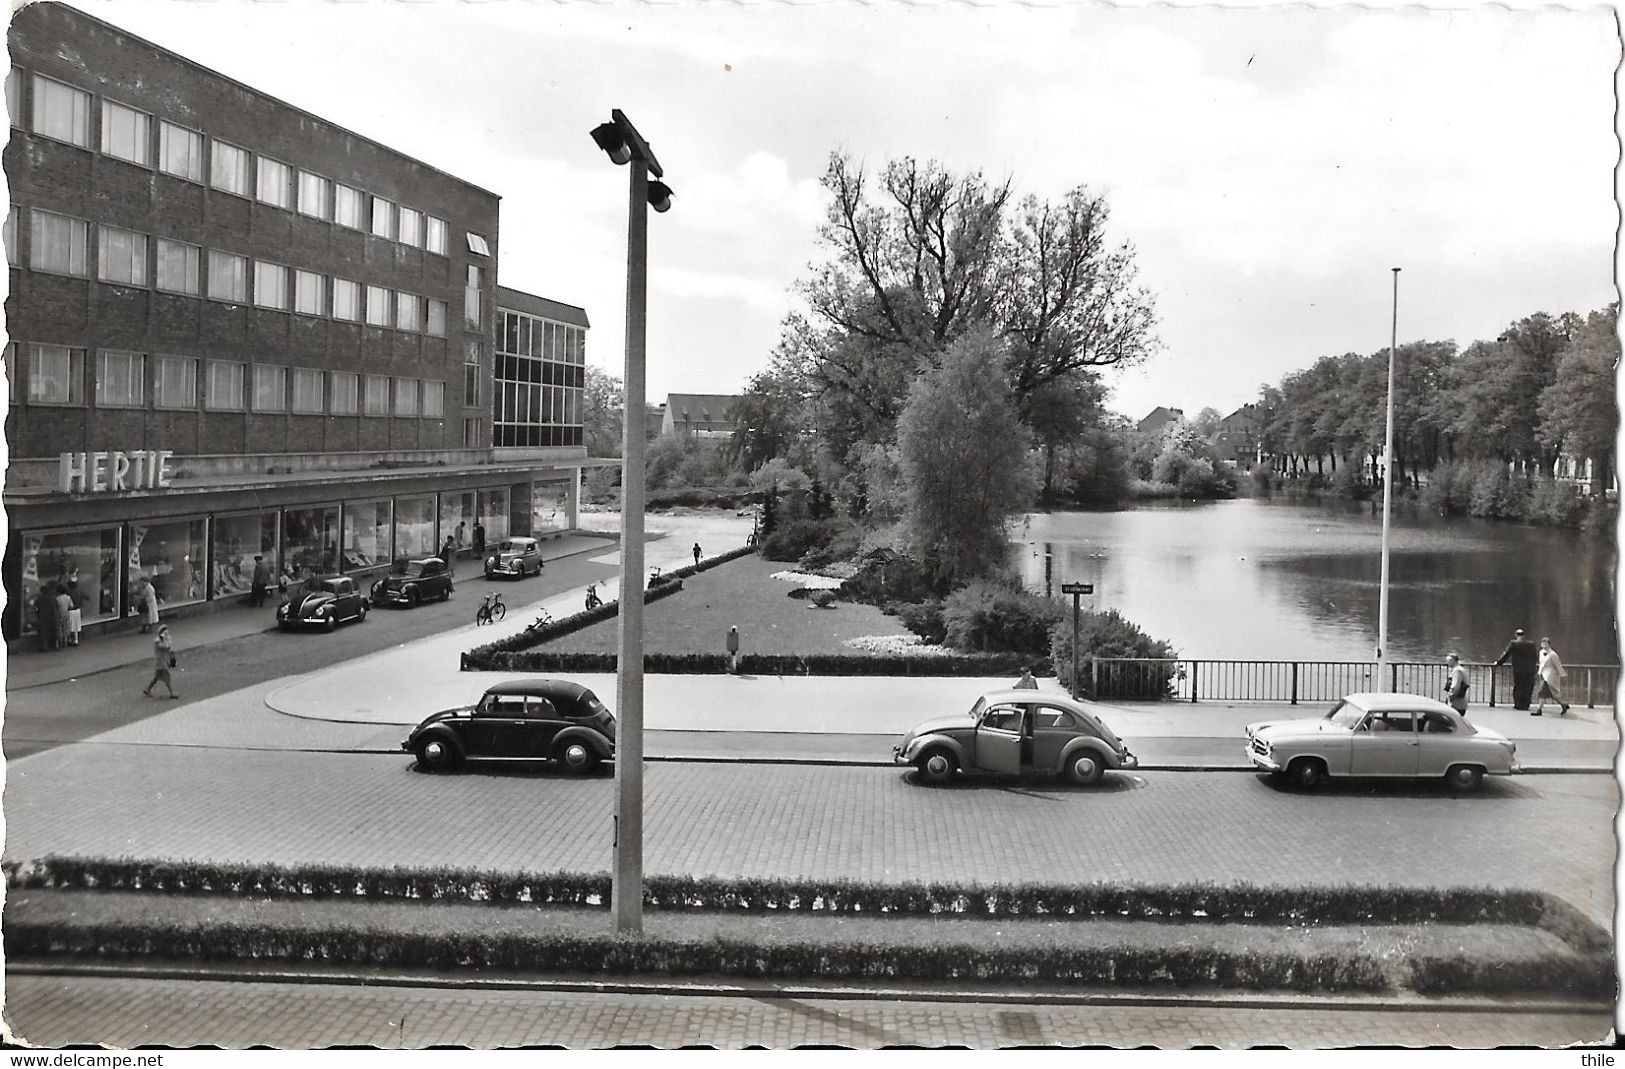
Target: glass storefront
(367, 528)
(236, 541)
(83, 562)
(415, 527)
(310, 541)
(494, 514)
(171, 555)
(457, 519)
(549, 506)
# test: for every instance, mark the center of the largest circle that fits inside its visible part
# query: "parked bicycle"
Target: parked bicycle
(593, 600)
(544, 619)
(491, 610)
(654, 576)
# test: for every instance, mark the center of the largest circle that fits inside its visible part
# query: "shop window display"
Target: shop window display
(83, 562)
(414, 527)
(366, 534)
(172, 555)
(457, 519)
(549, 506)
(310, 542)
(235, 542)
(494, 514)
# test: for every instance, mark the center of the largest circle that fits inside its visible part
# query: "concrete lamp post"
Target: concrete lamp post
(624, 145)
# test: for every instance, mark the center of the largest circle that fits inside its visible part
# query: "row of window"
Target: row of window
(63, 113)
(56, 376)
(59, 244)
(520, 334)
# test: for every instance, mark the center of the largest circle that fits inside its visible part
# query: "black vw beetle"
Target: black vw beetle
(522, 718)
(323, 603)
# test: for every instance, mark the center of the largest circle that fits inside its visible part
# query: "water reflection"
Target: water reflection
(1256, 578)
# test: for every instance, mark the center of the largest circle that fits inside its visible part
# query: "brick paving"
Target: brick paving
(121, 1012)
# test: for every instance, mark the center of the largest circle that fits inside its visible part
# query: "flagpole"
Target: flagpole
(1383, 682)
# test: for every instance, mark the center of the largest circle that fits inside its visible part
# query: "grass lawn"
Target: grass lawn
(742, 594)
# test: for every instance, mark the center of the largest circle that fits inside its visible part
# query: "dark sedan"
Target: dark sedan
(412, 582)
(327, 603)
(522, 718)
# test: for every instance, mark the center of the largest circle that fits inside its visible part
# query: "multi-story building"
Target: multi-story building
(237, 329)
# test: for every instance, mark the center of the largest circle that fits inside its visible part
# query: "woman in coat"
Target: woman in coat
(148, 598)
(163, 659)
(1551, 679)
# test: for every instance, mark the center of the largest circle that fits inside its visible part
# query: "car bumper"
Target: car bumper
(1127, 760)
(898, 758)
(391, 597)
(1266, 764)
(505, 569)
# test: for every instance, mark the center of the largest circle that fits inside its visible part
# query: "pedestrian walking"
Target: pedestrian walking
(45, 616)
(697, 554)
(733, 650)
(64, 607)
(163, 659)
(261, 581)
(479, 540)
(1455, 684)
(1026, 682)
(1552, 674)
(283, 582)
(1524, 657)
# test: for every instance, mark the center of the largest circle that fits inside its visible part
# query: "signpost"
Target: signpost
(1076, 590)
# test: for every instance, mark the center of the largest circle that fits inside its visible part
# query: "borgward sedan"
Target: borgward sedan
(1016, 731)
(523, 718)
(1388, 735)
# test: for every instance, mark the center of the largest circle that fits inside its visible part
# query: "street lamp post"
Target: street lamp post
(621, 140)
(1383, 680)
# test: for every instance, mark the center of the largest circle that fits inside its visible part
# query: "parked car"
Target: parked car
(1016, 731)
(516, 557)
(522, 718)
(411, 582)
(327, 603)
(1386, 735)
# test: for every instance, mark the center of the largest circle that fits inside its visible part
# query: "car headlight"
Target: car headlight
(323, 610)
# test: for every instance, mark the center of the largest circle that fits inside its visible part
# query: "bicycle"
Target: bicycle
(490, 611)
(593, 600)
(544, 619)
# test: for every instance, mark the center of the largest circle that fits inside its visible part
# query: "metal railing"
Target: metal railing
(1319, 681)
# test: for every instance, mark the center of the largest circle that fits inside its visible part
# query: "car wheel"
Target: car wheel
(1085, 767)
(445, 595)
(331, 622)
(1306, 773)
(362, 615)
(412, 598)
(437, 755)
(1464, 777)
(937, 766)
(576, 757)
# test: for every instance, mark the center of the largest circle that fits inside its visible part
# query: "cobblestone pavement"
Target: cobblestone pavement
(1552, 833)
(120, 1012)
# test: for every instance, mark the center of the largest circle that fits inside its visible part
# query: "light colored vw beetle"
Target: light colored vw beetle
(1016, 731)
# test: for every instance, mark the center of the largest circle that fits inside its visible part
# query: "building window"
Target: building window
(59, 243)
(121, 380)
(344, 393)
(408, 311)
(471, 434)
(14, 96)
(346, 299)
(383, 217)
(435, 235)
(230, 169)
(56, 375)
(411, 227)
(270, 285)
(434, 399)
(307, 293)
(471, 374)
(177, 267)
(223, 386)
(376, 399)
(270, 388)
(228, 277)
(406, 397)
(307, 390)
(61, 112)
(126, 133)
(471, 299)
(347, 203)
(275, 186)
(314, 193)
(435, 324)
(175, 382)
(377, 306)
(9, 229)
(121, 256)
(477, 245)
(180, 152)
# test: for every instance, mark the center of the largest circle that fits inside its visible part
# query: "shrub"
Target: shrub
(1349, 481)
(885, 576)
(1554, 503)
(823, 599)
(840, 545)
(987, 616)
(1109, 634)
(792, 539)
(924, 618)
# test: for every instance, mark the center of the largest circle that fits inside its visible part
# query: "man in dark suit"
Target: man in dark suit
(1524, 656)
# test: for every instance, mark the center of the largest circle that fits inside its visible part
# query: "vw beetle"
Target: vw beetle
(1014, 732)
(521, 718)
(324, 603)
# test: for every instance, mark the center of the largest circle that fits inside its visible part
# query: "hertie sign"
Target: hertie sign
(139, 469)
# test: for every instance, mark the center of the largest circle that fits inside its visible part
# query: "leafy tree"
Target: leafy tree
(1577, 411)
(1497, 387)
(601, 402)
(964, 463)
(770, 418)
(1058, 412)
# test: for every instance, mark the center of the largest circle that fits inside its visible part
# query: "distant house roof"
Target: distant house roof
(1159, 418)
(1243, 418)
(557, 311)
(701, 411)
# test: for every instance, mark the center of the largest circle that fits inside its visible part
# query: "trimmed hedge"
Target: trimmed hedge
(761, 664)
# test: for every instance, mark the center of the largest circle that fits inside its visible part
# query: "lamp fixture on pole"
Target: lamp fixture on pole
(624, 145)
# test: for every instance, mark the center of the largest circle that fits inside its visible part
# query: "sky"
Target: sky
(1269, 166)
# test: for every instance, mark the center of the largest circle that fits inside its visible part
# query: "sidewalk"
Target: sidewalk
(32, 667)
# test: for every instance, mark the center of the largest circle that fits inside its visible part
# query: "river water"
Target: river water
(1272, 579)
